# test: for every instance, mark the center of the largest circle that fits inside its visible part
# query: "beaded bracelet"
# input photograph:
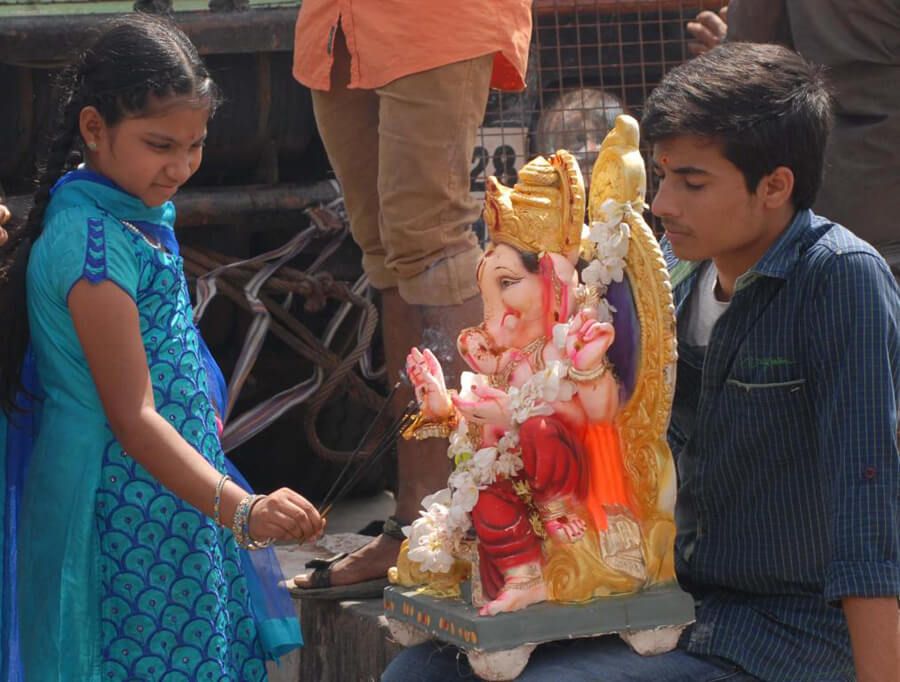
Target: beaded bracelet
(217, 502)
(241, 524)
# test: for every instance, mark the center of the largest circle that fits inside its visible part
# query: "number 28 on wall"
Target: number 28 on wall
(498, 151)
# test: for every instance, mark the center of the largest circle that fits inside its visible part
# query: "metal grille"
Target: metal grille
(590, 61)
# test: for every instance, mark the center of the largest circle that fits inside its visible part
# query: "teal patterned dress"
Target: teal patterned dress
(118, 578)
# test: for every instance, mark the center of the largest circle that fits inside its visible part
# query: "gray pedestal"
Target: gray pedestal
(457, 622)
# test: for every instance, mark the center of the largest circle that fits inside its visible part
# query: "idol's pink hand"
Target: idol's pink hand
(588, 340)
(427, 378)
(565, 529)
(484, 405)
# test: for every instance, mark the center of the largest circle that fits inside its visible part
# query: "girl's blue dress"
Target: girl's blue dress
(118, 578)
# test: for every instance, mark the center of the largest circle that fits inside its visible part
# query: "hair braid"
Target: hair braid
(14, 264)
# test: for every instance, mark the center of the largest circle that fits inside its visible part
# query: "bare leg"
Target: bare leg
(423, 465)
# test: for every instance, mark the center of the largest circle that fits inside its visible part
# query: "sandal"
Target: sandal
(320, 586)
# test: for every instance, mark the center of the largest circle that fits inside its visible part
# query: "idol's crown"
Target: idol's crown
(544, 211)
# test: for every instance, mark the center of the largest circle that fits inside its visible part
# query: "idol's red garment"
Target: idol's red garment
(556, 464)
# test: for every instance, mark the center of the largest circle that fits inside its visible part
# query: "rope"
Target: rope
(264, 286)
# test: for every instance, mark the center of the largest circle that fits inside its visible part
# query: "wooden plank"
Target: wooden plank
(52, 40)
(344, 640)
(542, 7)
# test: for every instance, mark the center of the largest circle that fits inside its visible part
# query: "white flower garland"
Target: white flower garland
(605, 243)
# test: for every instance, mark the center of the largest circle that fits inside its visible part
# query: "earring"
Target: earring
(92, 146)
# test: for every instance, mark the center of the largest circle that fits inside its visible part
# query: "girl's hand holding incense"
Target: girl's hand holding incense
(285, 515)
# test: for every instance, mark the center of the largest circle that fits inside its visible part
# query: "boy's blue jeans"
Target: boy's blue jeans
(603, 659)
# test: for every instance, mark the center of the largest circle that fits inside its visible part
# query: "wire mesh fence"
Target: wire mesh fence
(590, 61)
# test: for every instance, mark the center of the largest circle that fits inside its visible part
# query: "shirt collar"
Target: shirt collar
(784, 253)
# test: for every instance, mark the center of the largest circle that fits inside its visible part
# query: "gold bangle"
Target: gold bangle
(422, 428)
(587, 375)
(552, 510)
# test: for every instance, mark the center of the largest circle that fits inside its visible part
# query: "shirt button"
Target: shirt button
(869, 473)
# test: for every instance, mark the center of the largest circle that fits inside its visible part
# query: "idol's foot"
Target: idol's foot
(516, 594)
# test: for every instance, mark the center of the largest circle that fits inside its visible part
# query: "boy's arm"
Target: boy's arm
(759, 21)
(875, 635)
(856, 365)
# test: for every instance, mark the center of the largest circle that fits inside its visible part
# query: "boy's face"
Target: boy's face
(704, 205)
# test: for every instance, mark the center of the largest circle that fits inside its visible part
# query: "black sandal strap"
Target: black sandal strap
(393, 528)
(325, 563)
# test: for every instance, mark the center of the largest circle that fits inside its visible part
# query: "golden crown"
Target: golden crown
(544, 211)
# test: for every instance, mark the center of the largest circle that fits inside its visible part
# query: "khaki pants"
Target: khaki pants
(402, 154)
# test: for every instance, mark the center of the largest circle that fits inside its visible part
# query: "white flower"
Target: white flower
(459, 520)
(605, 311)
(611, 239)
(602, 271)
(560, 332)
(614, 211)
(430, 545)
(465, 492)
(509, 464)
(482, 467)
(441, 497)
(433, 552)
(554, 386)
(460, 447)
(508, 443)
(526, 402)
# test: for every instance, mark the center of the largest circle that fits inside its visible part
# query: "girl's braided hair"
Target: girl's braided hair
(134, 58)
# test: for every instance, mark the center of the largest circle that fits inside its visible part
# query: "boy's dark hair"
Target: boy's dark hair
(765, 104)
(135, 57)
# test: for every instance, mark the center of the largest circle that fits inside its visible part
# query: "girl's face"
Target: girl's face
(149, 156)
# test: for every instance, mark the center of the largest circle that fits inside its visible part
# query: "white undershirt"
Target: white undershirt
(704, 309)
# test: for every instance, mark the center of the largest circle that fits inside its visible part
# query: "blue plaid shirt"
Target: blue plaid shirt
(785, 437)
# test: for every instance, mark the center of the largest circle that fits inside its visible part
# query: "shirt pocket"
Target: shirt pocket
(769, 418)
(773, 388)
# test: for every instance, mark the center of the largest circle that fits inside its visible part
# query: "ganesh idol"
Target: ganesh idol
(560, 488)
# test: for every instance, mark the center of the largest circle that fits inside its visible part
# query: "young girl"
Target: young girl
(129, 529)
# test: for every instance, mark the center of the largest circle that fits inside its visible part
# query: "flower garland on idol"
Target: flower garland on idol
(437, 538)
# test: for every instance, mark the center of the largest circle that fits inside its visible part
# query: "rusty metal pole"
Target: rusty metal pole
(224, 205)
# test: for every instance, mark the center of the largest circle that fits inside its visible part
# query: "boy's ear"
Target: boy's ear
(777, 187)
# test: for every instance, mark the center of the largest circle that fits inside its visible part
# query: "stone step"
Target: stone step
(344, 641)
